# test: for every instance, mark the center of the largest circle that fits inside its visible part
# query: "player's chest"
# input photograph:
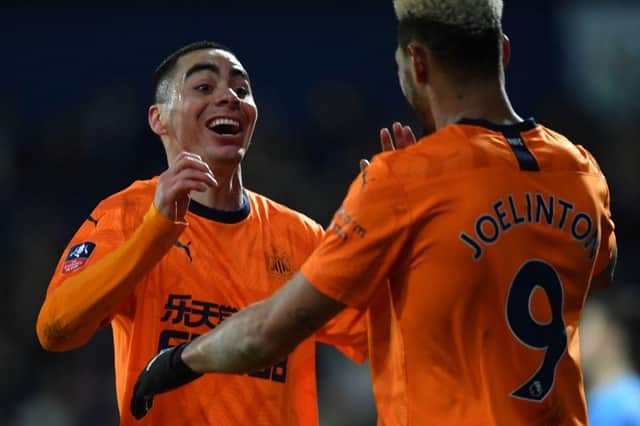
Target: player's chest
(206, 277)
(234, 269)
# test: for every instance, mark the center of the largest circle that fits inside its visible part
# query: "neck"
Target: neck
(483, 99)
(227, 195)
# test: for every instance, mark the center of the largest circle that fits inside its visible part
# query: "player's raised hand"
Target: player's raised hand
(187, 173)
(403, 136)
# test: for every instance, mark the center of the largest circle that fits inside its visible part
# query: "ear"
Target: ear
(419, 62)
(156, 121)
(506, 50)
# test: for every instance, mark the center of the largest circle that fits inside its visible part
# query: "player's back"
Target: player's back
(505, 225)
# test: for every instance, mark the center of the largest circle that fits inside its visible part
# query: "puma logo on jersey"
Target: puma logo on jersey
(186, 249)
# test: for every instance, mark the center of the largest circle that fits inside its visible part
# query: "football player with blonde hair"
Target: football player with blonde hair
(473, 250)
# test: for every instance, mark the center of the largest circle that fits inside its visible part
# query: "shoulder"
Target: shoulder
(563, 142)
(429, 157)
(278, 214)
(576, 156)
(383, 184)
(136, 196)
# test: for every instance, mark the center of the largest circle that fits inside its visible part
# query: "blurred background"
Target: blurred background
(76, 84)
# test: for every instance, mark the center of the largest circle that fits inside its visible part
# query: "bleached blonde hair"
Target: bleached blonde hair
(471, 15)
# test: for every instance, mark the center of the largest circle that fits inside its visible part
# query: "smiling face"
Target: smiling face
(209, 109)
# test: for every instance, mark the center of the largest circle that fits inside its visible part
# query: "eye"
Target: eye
(204, 88)
(241, 92)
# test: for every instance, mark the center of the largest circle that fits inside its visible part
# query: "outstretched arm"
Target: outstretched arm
(249, 340)
(263, 333)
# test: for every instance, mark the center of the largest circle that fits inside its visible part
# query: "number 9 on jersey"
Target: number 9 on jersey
(550, 337)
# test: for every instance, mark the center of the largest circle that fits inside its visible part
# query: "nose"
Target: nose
(228, 97)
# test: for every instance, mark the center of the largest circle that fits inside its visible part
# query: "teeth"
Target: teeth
(220, 121)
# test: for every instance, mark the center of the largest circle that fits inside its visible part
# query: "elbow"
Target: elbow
(252, 349)
(268, 342)
(264, 351)
(53, 336)
(50, 339)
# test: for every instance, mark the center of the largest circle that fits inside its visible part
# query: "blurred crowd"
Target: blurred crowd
(60, 157)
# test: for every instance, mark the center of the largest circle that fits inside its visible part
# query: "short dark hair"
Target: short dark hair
(163, 74)
(460, 51)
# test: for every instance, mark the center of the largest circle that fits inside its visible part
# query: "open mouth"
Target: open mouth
(224, 126)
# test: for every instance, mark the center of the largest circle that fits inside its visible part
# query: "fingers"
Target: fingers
(189, 166)
(187, 173)
(140, 406)
(397, 132)
(363, 165)
(140, 403)
(405, 138)
(186, 160)
(402, 137)
(178, 185)
(385, 140)
(184, 186)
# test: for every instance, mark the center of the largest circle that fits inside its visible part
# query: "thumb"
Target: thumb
(363, 165)
(181, 206)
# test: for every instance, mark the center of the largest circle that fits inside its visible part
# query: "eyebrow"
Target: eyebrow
(235, 72)
(202, 67)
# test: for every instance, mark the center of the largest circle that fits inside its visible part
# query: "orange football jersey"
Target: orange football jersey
(489, 236)
(219, 264)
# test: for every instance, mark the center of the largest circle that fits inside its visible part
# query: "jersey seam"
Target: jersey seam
(456, 175)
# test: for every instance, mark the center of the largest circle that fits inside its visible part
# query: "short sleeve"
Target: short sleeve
(348, 333)
(607, 236)
(607, 245)
(364, 238)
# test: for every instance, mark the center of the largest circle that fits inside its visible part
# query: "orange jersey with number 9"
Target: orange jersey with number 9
(489, 236)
